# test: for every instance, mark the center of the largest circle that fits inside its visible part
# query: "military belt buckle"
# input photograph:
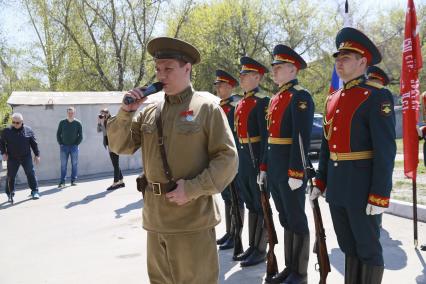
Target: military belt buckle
(333, 156)
(156, 188)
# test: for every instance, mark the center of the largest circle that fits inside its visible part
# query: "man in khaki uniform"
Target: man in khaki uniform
(201, 152)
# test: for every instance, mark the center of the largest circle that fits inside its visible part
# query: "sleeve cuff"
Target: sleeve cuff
(295, 174)
(263, 167)
(125, 115)
(378, 200)
(320, 184)
(192, 191)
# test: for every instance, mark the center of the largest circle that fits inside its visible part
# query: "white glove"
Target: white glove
(374, 210)
(315, 193)
(261, 178)
(419, 131)
(295, 183)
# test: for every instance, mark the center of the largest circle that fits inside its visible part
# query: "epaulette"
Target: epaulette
(300, 88)
(261, 95)
(374, 84)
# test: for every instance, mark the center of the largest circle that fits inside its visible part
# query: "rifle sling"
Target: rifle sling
(159, 124)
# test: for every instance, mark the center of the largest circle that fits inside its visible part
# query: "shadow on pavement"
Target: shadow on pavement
(88, 199)
(394, 256)
(422, 277)
(129, 207)
(253, 274)
(6, 204)
(337, 260)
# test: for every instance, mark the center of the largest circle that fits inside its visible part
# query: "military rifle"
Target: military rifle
(271, 260)
(320, 246)
(237, 220)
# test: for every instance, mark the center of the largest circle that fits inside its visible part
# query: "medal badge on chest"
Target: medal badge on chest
(187, 115)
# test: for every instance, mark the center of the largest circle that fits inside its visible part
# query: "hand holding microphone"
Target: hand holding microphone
(134, 98)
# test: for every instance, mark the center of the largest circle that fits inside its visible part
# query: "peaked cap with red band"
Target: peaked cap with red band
(285, 54)
(223, 76)
(250, 65)
(374, 72)
(353, 40)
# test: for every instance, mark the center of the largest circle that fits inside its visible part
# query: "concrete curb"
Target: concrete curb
(405, 209)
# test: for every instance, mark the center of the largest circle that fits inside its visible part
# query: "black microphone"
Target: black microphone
(151, 89)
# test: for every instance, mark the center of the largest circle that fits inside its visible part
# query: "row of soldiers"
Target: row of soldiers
(355, 163)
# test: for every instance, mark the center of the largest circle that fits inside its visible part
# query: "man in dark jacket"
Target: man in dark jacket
(15, 146)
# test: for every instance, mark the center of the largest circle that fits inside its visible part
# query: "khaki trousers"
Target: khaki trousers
(187, 258)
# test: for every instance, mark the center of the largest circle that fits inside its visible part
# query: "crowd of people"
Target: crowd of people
(193, 148)
(17, 141)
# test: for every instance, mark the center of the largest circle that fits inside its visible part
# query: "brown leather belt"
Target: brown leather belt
(351, 156)
(158, 188)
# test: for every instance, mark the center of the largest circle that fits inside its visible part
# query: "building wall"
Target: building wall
(93, 157)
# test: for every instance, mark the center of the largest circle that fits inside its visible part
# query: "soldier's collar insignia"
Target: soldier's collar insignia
(386, 108)
(251, 93)
(354, 82)
(225, 101)
(287, 86)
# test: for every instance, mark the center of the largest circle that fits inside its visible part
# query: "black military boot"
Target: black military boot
(252, 219)
(227, 235)
(300, 260)
(260, 241)
(229, 243)
(288, 250)
(371, 274)
(352, 269)
(238, 247)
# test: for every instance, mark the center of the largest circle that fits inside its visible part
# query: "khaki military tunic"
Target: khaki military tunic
(200, 149)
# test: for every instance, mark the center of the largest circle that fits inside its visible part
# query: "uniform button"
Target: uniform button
(343, 94)
(275, 108)
(269, 147)
(273, 121)
(239, 123)
(334, 146)
(337, 110)
(242, 147)
(336, 164)
(270, 134)
(281, 96)
(240, 111)
(366, 93)
(335, 128)
(244, 102)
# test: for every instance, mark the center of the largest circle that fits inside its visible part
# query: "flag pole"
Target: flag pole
(415, 211)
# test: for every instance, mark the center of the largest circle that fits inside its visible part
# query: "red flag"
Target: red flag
(409, 88)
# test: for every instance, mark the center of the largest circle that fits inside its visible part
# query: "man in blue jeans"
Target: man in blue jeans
(15, 146)
(69, 136)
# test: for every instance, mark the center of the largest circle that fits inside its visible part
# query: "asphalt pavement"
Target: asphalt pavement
(85, 234)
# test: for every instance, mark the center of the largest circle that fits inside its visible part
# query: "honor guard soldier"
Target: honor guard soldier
(357, 157)
(179, 210)
(290, 114)
(250, 125)
(224, 84)
(377, 75)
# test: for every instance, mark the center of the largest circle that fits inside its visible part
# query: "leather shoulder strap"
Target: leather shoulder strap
(159, 123)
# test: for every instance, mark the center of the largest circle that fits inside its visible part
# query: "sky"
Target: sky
(18, 31)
